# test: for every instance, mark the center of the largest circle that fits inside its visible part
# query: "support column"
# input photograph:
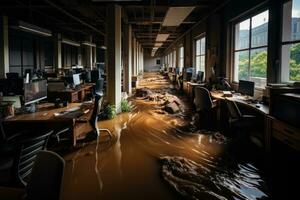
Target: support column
(127, 58)
(57, 52)
(113, 43)
(4, 45)
(134, 57)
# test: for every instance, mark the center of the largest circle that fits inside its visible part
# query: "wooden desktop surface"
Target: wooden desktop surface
(264, 109)
(45, 116)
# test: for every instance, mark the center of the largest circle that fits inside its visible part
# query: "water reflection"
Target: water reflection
(153, 152)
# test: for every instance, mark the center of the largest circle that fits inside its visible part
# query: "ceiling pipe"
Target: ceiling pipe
(74, 17)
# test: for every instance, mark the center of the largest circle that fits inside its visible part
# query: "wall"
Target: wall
(150, 64)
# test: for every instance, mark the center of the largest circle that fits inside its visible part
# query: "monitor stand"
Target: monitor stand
(32, 108)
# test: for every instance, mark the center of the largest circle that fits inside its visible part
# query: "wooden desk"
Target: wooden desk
(71, 95)
(262, 109)
(45, 118)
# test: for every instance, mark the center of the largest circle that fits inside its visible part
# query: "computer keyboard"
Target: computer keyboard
(73, 114)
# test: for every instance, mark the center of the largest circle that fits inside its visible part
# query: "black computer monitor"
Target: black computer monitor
(76, 79)
(95, 75)
(12, 75)
(35, 91)
(11, 87)
(246, 87)
(200, 76)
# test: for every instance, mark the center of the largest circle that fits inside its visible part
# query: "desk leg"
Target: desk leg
(268, 135)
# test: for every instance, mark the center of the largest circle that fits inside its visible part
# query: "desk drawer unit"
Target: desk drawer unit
(287, 134)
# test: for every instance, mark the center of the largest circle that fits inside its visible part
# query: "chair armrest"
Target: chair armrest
(16, 135)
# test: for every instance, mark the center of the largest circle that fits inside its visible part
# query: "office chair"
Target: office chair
(46, 177)
(98, 99)
(204, 105)
(237, 121)
(18, 156)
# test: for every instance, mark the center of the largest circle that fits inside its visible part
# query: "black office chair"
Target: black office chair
(17, 156)
(46, 177)
(98, 99)
(205, 107)
(237, 121)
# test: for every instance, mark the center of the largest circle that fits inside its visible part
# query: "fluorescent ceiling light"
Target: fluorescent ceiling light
(157, 44)
(162, 37)
(33, 29)
(102, 47)
(176, 15)
(70, 42)
(89, 44)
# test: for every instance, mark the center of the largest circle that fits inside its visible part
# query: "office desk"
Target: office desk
(71, 95)
(45, 118)
(189, 88)
(263, 110)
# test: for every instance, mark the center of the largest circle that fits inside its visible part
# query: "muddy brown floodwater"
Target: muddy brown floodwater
(154, 155)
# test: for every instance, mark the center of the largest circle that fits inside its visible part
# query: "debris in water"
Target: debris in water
(212, 181)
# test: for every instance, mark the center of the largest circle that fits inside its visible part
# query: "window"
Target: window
(174, 59)
(250, 49)
(181, 58)
(200, 54)
(290, 50)
(21, 54)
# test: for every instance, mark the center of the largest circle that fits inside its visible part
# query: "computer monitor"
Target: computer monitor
(76, 79)
(95, 75)
(12, 75)
(11, 87)
(246, 87)
(35, 91)
(200, 76)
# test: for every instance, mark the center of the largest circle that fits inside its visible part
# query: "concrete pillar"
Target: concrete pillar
(127, 58)
(94, 56)
(57, 52)
(113, 43)
(137, 58)
(133, 56)
(4, 47)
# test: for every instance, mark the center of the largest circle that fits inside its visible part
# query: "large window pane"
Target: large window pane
(241, 66)
(198, 47)
(259, 29)
(291, 21)
(258, 67)
(242, 33)
(290, 62)
(198, 63)
(202, 46)
(202, 63)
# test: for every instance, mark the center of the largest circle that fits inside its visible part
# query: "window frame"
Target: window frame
(282, 43)
(245, 17)
(199, 38)
(181, 57)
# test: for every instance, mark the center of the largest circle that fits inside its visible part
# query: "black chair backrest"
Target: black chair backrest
(28, 150)
(202, 99)
(99, 87)
(233, 109)
(2, 133)
(96, 111)
(46, 178)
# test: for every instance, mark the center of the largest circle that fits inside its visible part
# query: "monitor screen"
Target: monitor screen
(200, 76)
(246, 87)
(35, 91)
(95, 75)
(76, 79)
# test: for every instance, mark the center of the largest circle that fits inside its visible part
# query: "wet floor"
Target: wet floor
(154, 155)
